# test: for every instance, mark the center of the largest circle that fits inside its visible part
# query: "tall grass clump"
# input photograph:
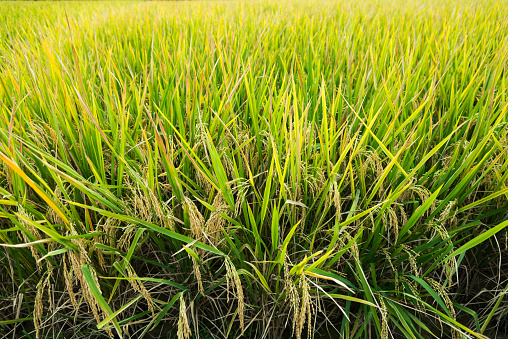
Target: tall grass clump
(295, 169)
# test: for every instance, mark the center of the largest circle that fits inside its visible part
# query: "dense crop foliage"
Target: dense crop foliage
(337, 169)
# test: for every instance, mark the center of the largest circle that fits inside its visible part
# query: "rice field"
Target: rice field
(254, 169)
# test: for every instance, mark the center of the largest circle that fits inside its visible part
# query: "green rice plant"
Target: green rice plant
(254, 169)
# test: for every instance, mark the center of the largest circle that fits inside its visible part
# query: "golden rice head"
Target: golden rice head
(355, 252)
(314, 177)
(77, 261)
(141, 205)
(305, 314)
(384, 319)
(156, 205)
(241, 190)
(337, 201)
(245, 147)
(109, 227)
(44, 283)
(125, 241)
(449, 214)
(68, 279)
(139, 287)
(203, 182)
(215, 223)
(8, 175)
(197, 222)
(197, 275)
(52, 216)
(402, 213)
(228, 164)
(233, 279)
(202, 138)
(33, 231)
(39, 308)
(407, 193)
(393, 221)
(184, 331)
(291, 295)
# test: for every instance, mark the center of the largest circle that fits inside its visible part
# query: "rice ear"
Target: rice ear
(184, 331)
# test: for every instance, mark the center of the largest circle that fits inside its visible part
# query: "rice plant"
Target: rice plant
(294, 169)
